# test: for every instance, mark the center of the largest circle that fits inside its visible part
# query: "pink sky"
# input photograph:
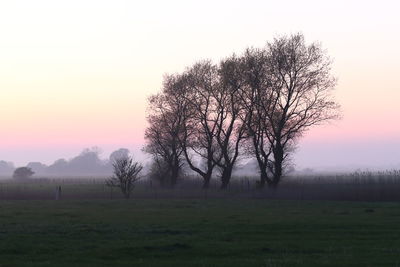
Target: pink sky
(77, 74)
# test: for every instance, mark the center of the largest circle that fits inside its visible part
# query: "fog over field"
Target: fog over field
(322, 158)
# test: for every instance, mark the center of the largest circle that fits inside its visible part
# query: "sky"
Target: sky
(77, 73)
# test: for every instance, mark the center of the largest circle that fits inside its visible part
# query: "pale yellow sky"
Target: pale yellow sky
(74, 74)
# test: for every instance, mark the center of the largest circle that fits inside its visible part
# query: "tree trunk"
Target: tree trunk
(206, 180)
(226, 177)
(174, 177)
(278, 161)
(263, 174)
(263, 178)
(175, 172)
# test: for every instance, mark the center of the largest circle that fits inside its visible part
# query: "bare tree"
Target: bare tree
(254, 94)
(166, 119)
(298, 95)
(199, 143)
(229, 109)
(126, 173)
(260, 103)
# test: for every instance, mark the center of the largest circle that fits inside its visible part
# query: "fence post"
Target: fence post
(58, 192)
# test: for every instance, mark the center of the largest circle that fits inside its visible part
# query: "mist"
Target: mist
(89, 162)
(319, 156)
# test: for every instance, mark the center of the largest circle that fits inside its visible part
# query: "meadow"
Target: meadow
(199, 232)
(358, 186)
(348, 220)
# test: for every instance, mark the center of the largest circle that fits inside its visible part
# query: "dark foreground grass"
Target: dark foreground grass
(199, 233)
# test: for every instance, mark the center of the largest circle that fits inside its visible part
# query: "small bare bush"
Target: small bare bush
(126, 173)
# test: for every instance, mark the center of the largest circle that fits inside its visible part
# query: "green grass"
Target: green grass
(199, 233)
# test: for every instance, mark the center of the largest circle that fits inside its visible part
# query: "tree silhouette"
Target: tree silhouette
(199, 140)
(22, 173)
(298, 95)
(260, 103)
(126, 173)
(166, 119)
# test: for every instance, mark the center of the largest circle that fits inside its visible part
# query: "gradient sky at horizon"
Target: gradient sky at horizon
(76, 74)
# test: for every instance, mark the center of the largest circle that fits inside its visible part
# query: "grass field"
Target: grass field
(213, 232)
(364, 186)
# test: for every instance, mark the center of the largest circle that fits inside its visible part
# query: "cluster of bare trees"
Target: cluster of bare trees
(256, 104)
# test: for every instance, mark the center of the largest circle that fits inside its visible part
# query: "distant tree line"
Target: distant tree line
(88, 162)
(256, 104)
